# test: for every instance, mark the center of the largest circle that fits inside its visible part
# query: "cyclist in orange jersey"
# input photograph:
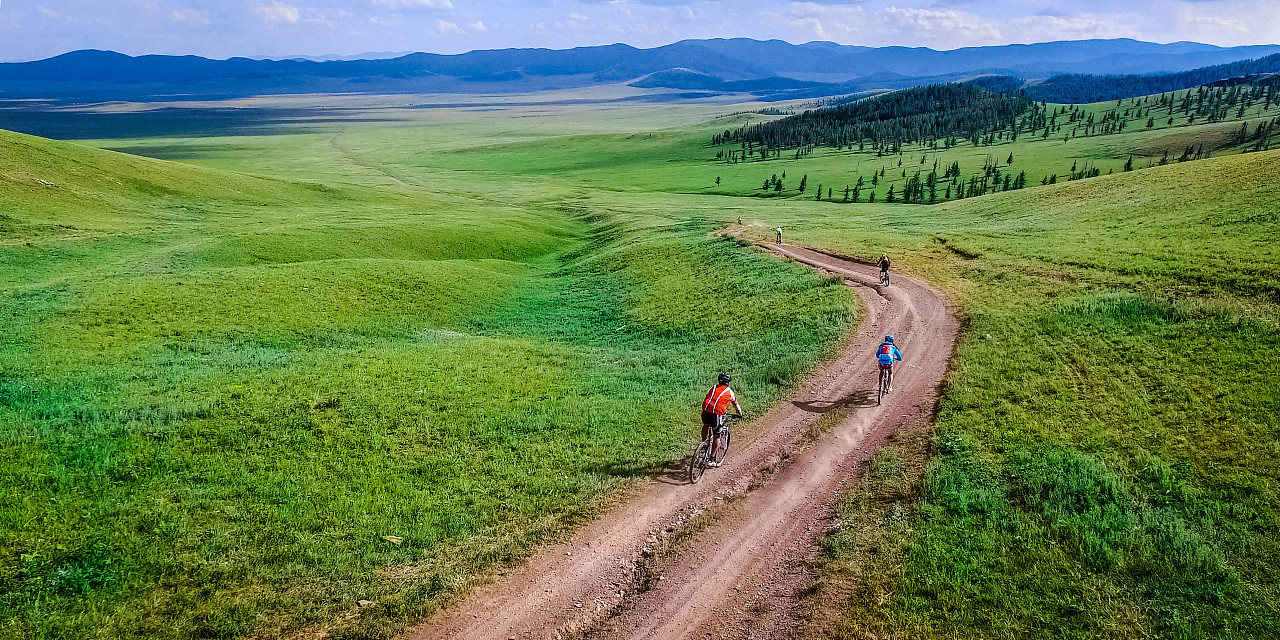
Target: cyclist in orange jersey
(714, 408)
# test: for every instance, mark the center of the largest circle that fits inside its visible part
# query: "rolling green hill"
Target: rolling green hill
(219, 392)
(1105, 459)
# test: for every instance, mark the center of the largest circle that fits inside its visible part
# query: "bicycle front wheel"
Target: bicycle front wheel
(699, 462)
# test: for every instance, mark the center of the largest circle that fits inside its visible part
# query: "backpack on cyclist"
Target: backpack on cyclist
(885, 353)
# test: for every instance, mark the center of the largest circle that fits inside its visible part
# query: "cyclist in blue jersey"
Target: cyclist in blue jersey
(886, 353)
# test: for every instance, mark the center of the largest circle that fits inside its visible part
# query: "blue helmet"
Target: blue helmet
(888, 339)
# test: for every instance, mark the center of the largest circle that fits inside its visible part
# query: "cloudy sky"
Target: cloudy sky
(31, 29)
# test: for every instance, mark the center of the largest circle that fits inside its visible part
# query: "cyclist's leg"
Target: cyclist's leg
(715, 444)
(891, 377)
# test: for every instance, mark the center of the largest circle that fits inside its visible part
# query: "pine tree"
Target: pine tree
(1009, 160)
(889, 198)
(804, 181)
(1128, 166)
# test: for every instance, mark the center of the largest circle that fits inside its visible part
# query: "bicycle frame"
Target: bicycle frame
(703, 454)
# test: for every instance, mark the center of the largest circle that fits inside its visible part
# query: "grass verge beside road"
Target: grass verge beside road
(1105, 462)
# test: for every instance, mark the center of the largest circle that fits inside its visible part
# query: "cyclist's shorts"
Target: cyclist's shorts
(714, 421)
(886, 367)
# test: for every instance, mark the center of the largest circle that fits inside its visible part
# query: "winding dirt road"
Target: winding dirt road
(728, 557)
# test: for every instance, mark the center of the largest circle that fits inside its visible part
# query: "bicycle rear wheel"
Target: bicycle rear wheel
(698, 463)
(883, 387)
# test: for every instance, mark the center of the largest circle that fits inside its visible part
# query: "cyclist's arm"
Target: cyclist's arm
(897, 354)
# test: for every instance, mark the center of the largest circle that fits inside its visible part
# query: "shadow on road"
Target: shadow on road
(856, 399)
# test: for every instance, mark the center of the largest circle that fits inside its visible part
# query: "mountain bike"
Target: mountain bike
(884, 385)
(884, 278)
(703, 456)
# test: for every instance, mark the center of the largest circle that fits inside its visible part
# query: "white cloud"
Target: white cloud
(478, 25)
(1043, 28)
(444, 26)
(190, 16)
(278, 12)
(944, 27)
(578, 17)
(1219, 23)
(826, 22)
(431, 4)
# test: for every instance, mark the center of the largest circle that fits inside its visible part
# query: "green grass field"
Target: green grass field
(225, 381)
(221, 392)
(1106, 460)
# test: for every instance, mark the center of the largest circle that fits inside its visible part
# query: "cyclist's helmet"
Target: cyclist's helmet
(725, 378)
(888, 339)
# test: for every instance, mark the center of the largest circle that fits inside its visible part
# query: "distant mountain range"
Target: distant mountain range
(768, 68)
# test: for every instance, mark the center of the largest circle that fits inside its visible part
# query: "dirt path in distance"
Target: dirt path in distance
(729, 557)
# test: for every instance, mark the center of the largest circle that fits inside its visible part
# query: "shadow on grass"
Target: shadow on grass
(670, 472)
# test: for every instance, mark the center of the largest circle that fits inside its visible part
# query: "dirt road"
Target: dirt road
(729, 556)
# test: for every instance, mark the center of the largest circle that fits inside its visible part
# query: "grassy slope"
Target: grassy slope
(1105, 462)
(1081, 462)
(1095, 472)
(220, 392)
(624, 161)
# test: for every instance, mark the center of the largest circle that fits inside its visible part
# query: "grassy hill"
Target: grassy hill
(220, 392)
(1105, 460)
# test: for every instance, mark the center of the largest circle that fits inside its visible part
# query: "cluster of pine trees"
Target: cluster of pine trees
(1214, 104)
(925, 116)
(919, 187)
(941, 115)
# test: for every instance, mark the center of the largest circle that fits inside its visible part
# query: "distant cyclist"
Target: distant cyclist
(886, 353)
(884, 268)
(779, 231)
(714, 408)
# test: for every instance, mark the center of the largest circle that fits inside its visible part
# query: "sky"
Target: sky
(34, 29)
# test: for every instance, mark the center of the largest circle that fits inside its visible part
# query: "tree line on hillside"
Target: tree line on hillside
(1076, 87)
(939, 117)
(944, 115)
(930, 115)
(939, 184)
